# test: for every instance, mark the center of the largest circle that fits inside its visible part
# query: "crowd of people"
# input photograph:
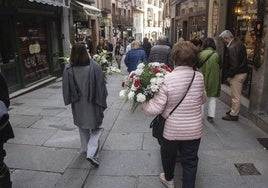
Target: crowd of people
(195, 80)
(198, 60)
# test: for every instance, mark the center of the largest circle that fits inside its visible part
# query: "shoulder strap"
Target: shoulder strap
(183, 96)
(202, 63)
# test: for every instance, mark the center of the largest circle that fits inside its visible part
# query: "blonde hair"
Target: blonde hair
(135, 44)
(184, 53)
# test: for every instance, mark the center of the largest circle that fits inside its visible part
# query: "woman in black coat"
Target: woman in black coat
(5, 134)
(146, 45)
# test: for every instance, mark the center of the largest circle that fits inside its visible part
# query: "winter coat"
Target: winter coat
(211, 71)
(236, 58)
(6, 133)
(185, 123)
(161, 54)
(147, 48)
(133, 57)
(88, 108)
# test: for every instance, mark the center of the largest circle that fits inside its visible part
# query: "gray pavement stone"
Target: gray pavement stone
(256, 181)
(110, 117)
(219, 181)
(34, 179)
(31, 136)
(72, 178)
(52, 122)
(110, 181)
(149, 181)
(150, 143)
(24, 121)
(128, 163)
(64, 139)
(80, 162)
(38, 158)
(124, 141)
(131, 126)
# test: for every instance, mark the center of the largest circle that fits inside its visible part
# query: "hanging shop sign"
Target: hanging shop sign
(60, 3)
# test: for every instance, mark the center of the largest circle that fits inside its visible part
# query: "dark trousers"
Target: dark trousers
(189, 159)
(4, 171)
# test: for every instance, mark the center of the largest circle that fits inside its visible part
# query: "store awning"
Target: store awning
(88, 9)
(60, 3)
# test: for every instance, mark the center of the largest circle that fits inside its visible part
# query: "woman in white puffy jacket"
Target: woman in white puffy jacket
(184, 127)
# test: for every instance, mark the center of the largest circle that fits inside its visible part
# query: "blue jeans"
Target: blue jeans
(189, 159)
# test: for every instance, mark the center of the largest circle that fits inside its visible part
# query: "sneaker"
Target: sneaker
(210, 119)
(168, 184)
(229, 117)
(93, 161)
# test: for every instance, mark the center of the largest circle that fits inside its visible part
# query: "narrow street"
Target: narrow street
(46, 151)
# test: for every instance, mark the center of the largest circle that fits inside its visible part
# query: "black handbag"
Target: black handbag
(158, 122)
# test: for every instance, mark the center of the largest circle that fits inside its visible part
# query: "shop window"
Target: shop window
(33, 48)
(245, 27)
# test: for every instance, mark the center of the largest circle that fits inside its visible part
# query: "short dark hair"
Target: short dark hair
(209, 42)
(79, 55)
(196, 41)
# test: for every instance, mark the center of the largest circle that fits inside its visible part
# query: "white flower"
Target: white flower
(153, 80)
(133, 88)
(154, 88)
(139, 71)
(122, 93)
(140, 66)
(159, 74)
(140, 97)
(131, 95)
(155, 64)
(159, 80)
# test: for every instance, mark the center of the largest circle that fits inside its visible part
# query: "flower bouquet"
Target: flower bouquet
(106, 66)
(141, 85)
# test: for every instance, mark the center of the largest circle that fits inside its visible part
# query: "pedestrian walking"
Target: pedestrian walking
(209, 63)
(6, 132)
(100, 46)
(84, 88)
(134, 56)
(146, 45)
(161, 52)
(237, 69)
(118, 53)
(183, 128)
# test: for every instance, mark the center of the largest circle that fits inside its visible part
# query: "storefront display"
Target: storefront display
(249, 28)
(34, 50)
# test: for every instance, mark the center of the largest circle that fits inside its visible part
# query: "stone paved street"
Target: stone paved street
(46, 151)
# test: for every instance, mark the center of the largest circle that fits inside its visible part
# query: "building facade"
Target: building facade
(30, 40)
(122, 19)
(188, 19)
(153, 19)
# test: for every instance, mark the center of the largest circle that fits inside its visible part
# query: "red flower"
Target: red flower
(123, 84)
(166, 67)
(132, 75)
(155, 70)
(137, 83)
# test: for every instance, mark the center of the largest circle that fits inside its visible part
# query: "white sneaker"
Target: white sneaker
(168, 184)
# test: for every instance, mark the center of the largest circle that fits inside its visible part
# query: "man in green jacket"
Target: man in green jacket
(209, 63)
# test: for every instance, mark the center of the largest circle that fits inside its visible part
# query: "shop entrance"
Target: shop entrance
(8, 53)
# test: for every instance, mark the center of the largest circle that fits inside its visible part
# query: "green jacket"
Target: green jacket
(211, 71)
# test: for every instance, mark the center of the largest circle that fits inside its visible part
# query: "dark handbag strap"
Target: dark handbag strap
(182, 97)
(202, 63)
